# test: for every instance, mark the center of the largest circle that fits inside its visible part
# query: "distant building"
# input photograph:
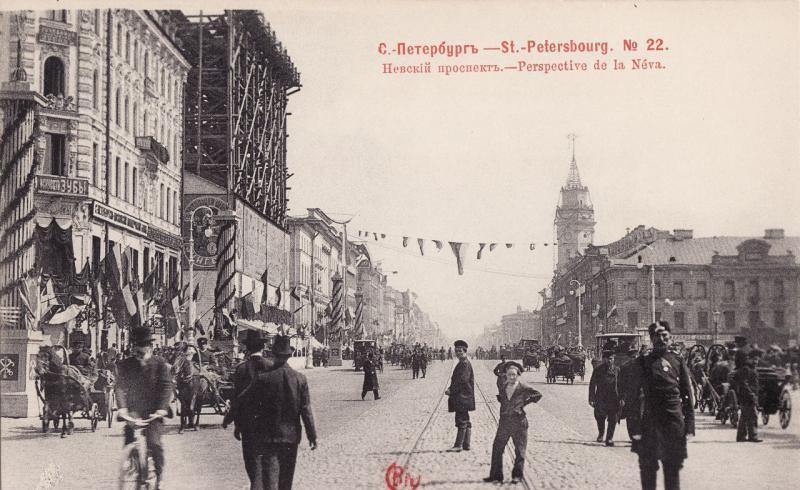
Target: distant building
(574, 219)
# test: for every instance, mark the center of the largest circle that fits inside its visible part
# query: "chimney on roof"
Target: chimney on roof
(683, 234)
(773, 233)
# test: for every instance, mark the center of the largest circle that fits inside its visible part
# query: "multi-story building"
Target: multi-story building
(709, 289)
(522, 324)
(92, 106)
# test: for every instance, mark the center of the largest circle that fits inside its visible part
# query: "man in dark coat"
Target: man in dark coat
(745, 382)
(513, 423)
(423, 361)
(370, 377)
(278, 400)
(415, 363)
(144, 389)
(630, 409)
(241, 414)
(667, 410)
(461, 397)
(604, 397)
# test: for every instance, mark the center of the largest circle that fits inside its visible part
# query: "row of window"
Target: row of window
(701, 290)
(168, 85)
(754, 320)
(150, 262)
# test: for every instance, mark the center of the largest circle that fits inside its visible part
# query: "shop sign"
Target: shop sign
(105, 213)
(54, 184)
(162, 237)
(199, 220)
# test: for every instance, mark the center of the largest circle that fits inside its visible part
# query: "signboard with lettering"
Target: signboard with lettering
(201, 212)
(162, 237)
(53, 35)
(9, 367)
(105, 213)
(55, 184)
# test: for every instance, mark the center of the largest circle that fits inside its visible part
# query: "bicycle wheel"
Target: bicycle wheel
(130, 471)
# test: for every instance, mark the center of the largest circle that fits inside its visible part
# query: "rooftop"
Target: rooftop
(698, 251)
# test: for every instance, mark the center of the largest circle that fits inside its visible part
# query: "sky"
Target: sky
(709, 143)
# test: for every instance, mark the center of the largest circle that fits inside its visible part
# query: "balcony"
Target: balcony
(150, 146)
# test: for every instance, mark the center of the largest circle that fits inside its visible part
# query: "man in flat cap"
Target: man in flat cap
(513, 423)
(461, 397)
(604, 397)
(667, 410)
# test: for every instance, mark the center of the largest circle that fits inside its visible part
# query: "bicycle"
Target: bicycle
(137, 470)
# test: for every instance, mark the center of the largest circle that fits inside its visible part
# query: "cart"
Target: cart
(773, 395)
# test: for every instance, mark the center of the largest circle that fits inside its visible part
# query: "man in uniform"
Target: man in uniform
(461, 397)
(604, 397)
(668, 410)
(143, 389)
(415, 363)
(629, 408)
(423, 361)
(242, 416)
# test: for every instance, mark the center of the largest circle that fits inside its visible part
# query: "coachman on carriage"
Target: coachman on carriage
(64, 391)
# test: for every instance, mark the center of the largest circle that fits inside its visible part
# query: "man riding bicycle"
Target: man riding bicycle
(144, 389)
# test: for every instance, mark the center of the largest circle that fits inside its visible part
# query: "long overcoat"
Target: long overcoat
(603, 388)
(462, 388)
(370, 376)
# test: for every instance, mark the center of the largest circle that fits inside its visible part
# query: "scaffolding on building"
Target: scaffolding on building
(235, 107)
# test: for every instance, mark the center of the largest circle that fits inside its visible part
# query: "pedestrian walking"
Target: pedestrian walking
(745, 382)
(461, 397)
(423, 361)
(500, 372)
(279, 399)
(604, 397)
(667, 410)
(415, 363)
(243, 415)
(370, 377)
(513, 423)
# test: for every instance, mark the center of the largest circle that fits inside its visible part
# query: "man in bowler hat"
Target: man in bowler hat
(143, 390)
(279, 399)
(513, 423)
(241, 414)
(667, 410)
(461, 397)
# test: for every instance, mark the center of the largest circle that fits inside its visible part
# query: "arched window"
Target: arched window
(118, 107)
(128, 47)
(169, 205)
(134, 185)
(97, 22)
(127, 127)
(126, 183)
(161, 81)
(135, 119)
(175, 215)
(58, 15)
(53, 76)
(144, 125)
(135, 54)
(95, 90)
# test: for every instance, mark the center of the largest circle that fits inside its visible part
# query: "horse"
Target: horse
(64, 389)
(187, 391)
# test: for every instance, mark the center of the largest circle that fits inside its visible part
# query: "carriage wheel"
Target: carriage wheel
(785, 409)
(94, 414)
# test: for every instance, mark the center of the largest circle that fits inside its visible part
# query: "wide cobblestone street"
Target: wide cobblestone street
(409, 426)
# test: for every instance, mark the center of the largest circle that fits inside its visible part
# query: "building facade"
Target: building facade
(574, 219)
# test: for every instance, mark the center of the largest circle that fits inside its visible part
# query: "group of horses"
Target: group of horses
(66, 391)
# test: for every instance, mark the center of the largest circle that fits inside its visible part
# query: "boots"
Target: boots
(459, 441)
(467, 436)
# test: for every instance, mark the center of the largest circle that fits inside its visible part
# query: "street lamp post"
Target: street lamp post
(716, 315)
(578, 292)
(640, 265)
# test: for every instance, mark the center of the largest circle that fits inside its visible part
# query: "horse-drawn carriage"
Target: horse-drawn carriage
(559, 365)
(578, 356)
(65, 392)
(210, 386)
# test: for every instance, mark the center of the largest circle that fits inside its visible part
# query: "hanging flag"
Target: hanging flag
(459, 250)
(359, 233)
(545, 244)
(596, 311)
(383, 235)
(30, 295)
(492, 246)
(421, 243)
(438, 244)
(376, 236)
(533, 246)
(265, 291)
(348, 318)
(123, 284)
(509, 245)
(294, 294)
(278, 295)
(49, 298)
(196, 293)
(480, 250)
(150, 285)
(612, 311)
(405, 241)
(198, 325)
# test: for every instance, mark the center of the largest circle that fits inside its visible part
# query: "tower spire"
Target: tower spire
(574, 178)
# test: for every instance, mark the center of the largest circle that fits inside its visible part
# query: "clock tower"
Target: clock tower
(574, 217)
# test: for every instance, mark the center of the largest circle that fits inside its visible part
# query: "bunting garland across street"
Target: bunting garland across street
(458, 248)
